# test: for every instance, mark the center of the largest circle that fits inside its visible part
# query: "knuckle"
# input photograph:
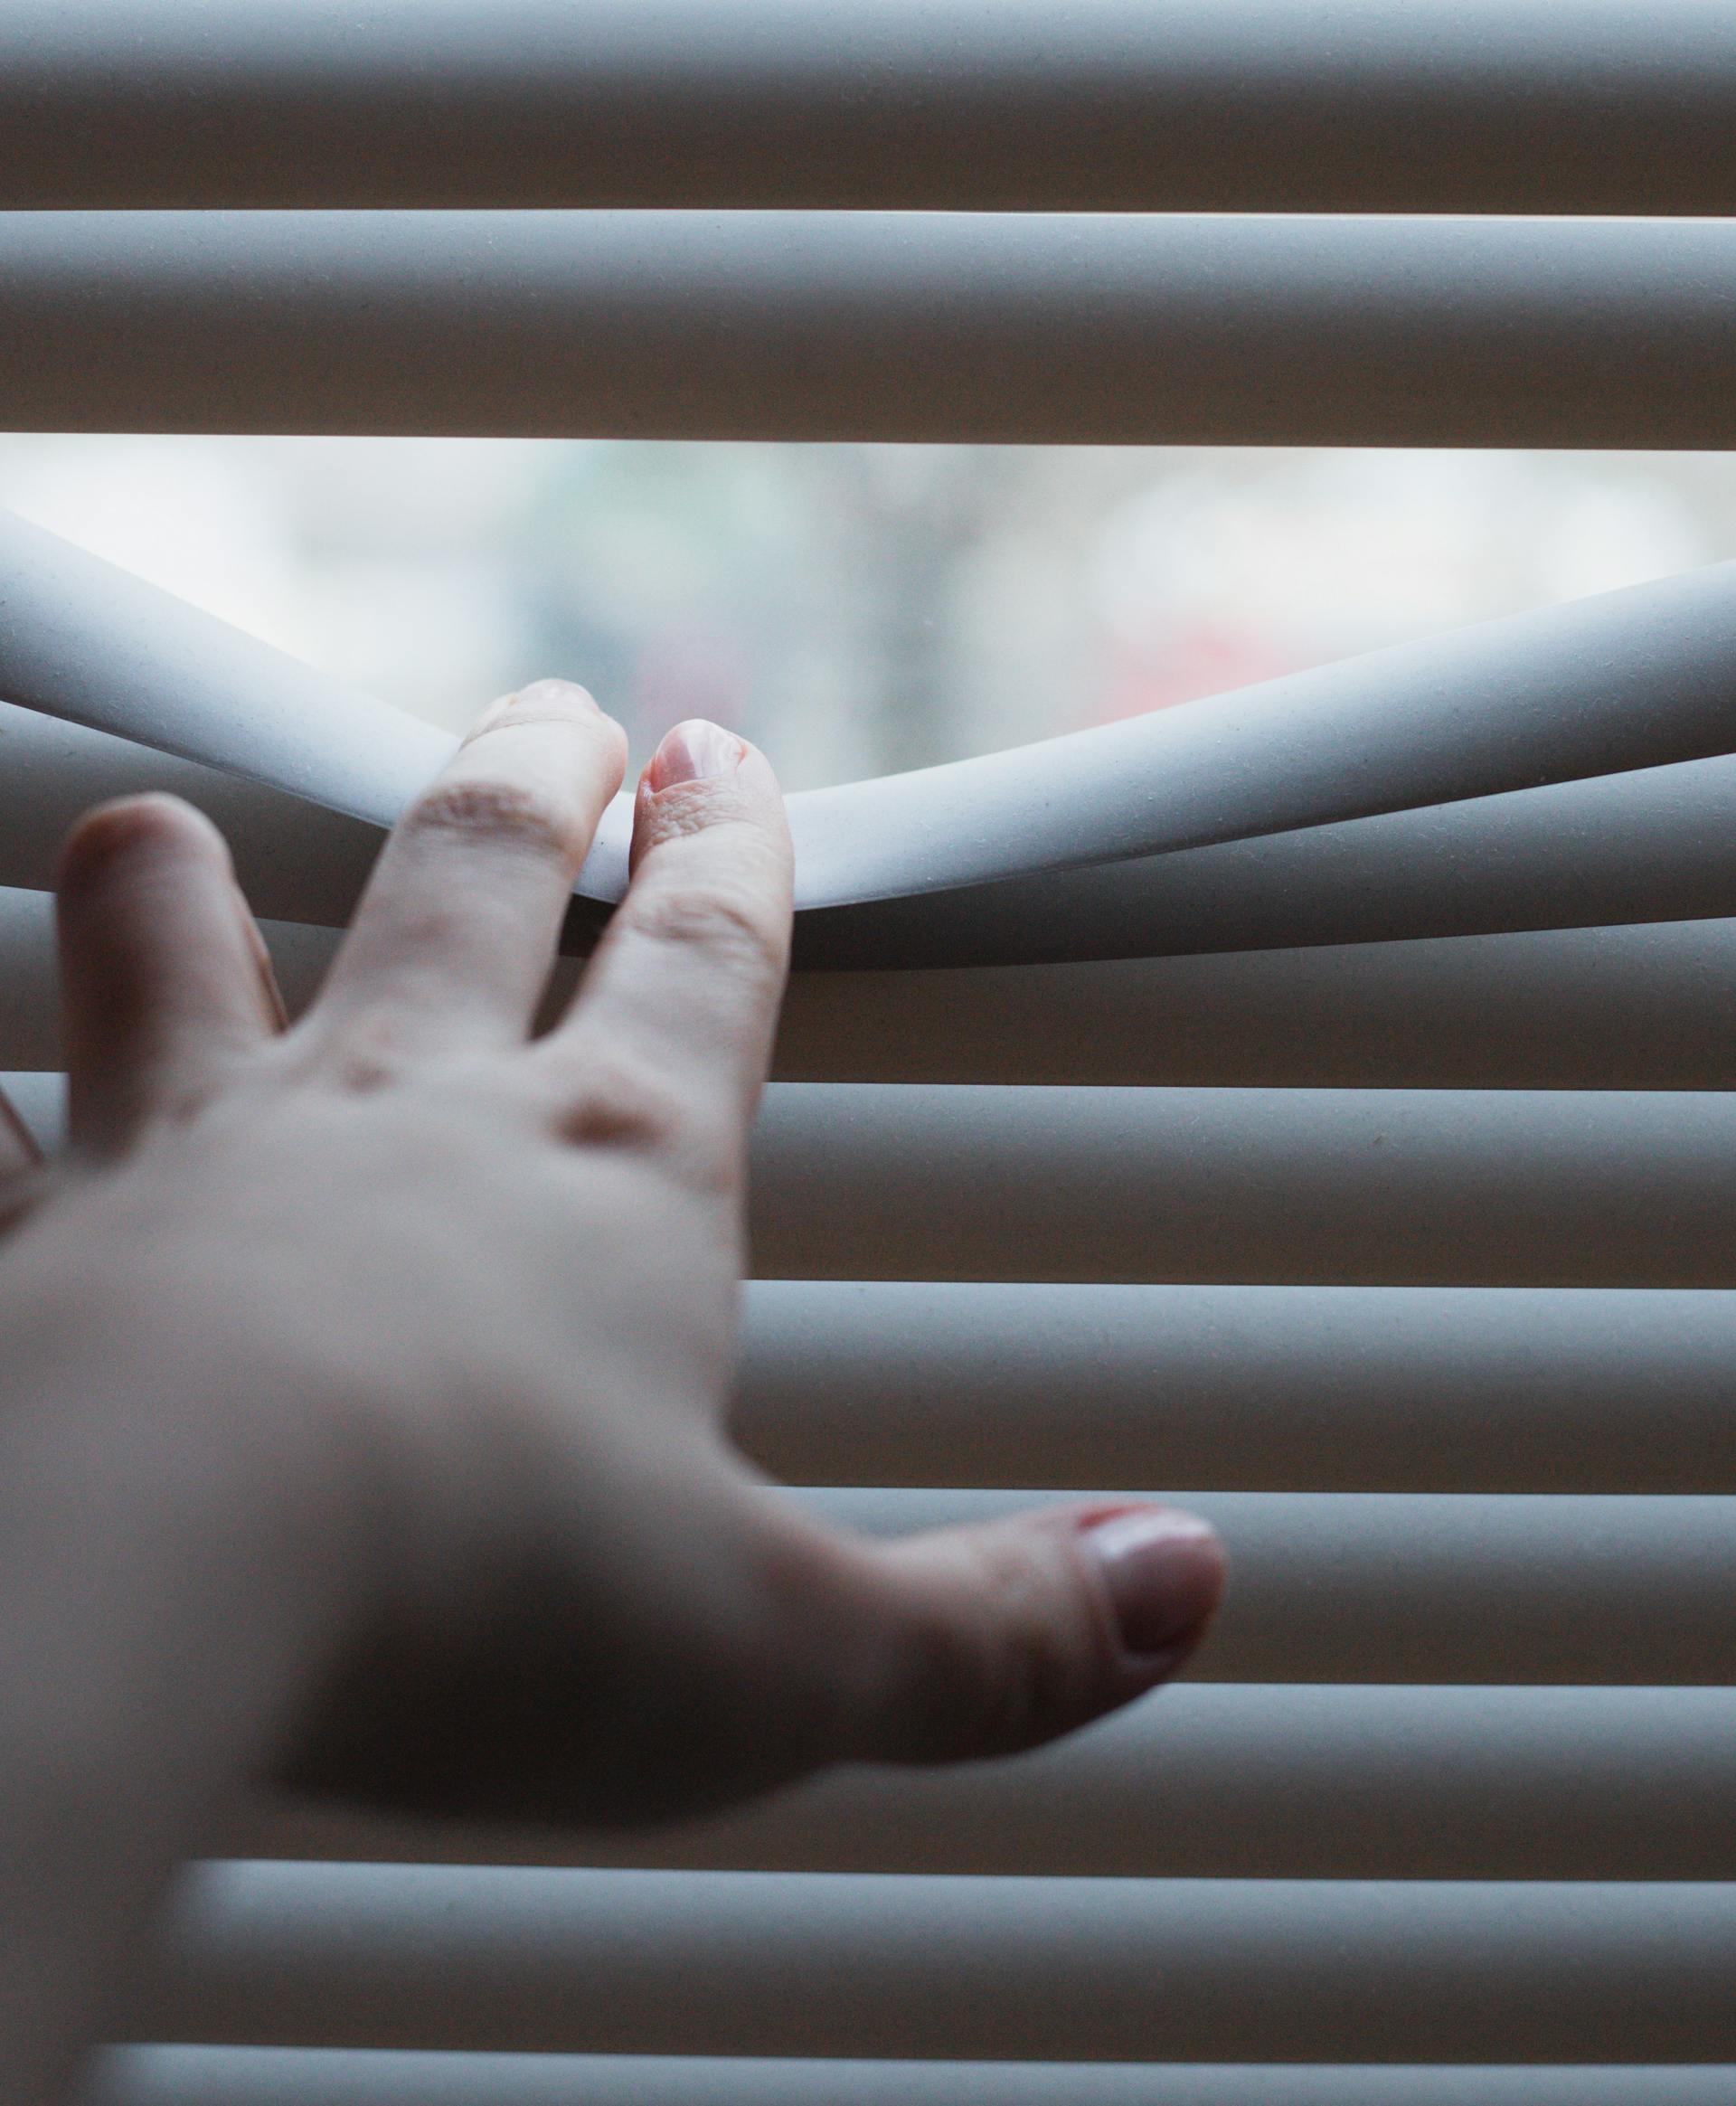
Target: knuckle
(627, 1108)
(727, 922)
(363, 1071)
(619, 1105)
(365, 1054)
(1041, 1651)
(1022, 1663)
(491, 810)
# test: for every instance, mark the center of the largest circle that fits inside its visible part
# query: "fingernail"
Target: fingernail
(557, 691)
(1163, 1572)
(551, 693)
(492, 715)
(696, 751)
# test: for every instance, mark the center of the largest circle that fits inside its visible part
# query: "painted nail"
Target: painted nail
(696, 751)
(1163, 1572)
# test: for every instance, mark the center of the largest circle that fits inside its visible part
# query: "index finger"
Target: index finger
(684, 987)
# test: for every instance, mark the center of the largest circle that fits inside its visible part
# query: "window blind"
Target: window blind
(1497, 106)
(1313, 1100)
(1174, 328)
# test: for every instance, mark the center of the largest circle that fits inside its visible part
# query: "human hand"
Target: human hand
(455, 1307)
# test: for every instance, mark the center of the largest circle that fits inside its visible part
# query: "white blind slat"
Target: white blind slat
(1546, 1188)
(1239, 1388)
(1652, 1004)
(1012, 328)
(1504, 107)
(1647, 845)
(816, 1963)
(1523, 107)
(232, 2076)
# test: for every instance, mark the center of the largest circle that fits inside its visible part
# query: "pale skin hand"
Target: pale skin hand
(363, 1424)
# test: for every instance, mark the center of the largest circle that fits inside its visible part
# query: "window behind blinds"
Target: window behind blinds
(1314, 1102)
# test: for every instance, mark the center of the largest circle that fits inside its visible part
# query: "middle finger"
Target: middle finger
(452, 941)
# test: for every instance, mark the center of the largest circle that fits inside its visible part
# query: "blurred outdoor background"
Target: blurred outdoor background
(856, 609)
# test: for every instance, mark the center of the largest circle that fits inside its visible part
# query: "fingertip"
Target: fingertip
(150, 823)
(551, 688)
(1162, 1573)
(703, 778)
(552, 701)
(158, 990)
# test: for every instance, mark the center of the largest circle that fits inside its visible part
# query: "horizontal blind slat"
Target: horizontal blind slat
(241, 2076)
(1652, 1004)
(87, 640)
(1239, 1388)
(415, 1956)
(1524, 106)
(1354, 1186)
(1215, 1781)
(1017, 328)
(1651, 844)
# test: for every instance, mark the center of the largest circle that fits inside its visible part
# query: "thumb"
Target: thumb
(972, 1642)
